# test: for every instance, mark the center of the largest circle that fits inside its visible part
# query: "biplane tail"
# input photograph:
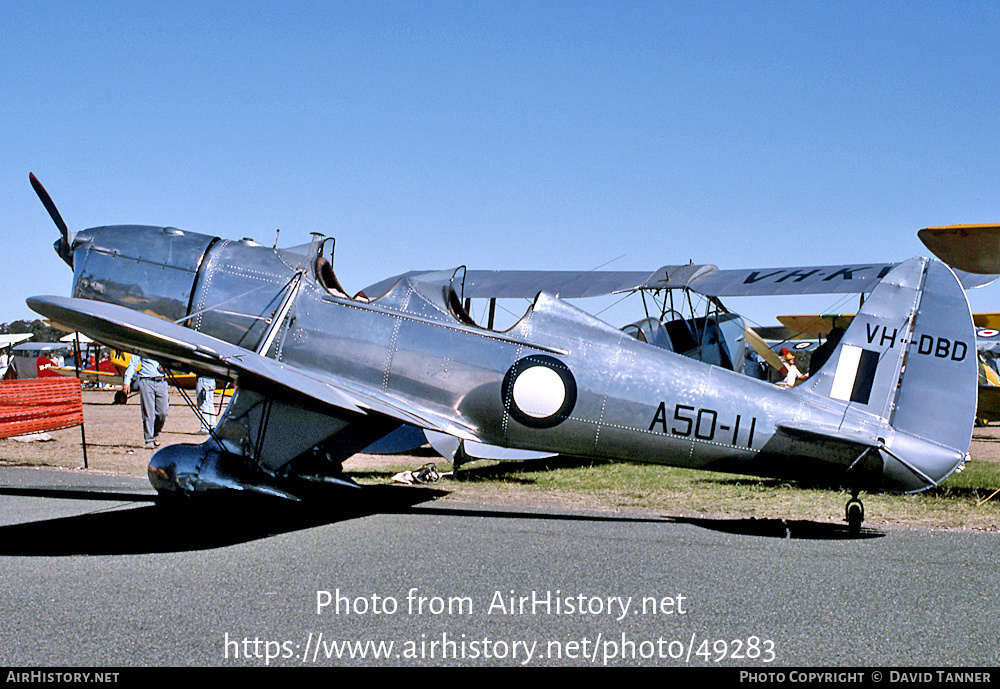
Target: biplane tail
(909, 358)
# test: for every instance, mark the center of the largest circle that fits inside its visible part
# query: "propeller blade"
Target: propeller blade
(63, 246)
(765, 352)
(49, 205)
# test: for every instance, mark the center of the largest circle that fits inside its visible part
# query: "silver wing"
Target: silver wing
(130, 330)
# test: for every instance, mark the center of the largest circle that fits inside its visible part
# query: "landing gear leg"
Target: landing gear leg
(458, 460)
(854, 514)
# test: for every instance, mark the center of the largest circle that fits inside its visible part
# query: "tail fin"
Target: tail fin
(909, 357)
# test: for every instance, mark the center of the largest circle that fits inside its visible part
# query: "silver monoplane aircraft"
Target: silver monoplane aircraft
(322, 374)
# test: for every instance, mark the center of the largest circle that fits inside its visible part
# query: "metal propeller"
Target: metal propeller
(63, 246)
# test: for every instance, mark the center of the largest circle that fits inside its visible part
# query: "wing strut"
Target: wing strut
(279, 317)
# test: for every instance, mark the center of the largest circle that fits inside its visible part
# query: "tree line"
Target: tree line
(39, 329)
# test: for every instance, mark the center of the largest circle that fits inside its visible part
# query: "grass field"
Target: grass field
(961, 502)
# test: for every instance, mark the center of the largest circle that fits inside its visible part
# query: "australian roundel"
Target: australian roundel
(539, 391)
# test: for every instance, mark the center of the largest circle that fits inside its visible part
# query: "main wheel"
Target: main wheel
(855, 515)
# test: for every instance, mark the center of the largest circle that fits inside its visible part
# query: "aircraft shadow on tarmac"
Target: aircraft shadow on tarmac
(770, 528)
(152, 528)
(779, 528)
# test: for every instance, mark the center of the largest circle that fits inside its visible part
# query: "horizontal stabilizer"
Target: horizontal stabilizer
(818, 433)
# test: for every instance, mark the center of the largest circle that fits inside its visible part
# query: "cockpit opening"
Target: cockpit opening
(325, 274)
(459, 310)
(716, 339)
(328, 279)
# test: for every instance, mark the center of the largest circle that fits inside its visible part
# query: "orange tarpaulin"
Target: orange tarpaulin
(43, 404)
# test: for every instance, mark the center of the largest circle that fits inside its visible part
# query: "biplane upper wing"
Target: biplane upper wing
(704, 279)
(126, 329)
(988, 403)
(986, 320)
(843, 279)
(975, 248)
(567, 284)
(804, 326)
(809, 326)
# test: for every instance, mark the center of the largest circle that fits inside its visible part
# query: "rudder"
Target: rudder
(938, 389)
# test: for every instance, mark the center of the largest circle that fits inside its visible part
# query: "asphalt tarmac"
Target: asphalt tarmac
(94, 574)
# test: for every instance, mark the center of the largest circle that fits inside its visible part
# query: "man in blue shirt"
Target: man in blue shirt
(154, 396)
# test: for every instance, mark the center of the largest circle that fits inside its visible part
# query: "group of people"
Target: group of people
(154, 397)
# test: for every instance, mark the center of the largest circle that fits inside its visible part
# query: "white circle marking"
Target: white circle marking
(539, 392)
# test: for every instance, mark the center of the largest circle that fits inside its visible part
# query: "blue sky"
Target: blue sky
(528, 135)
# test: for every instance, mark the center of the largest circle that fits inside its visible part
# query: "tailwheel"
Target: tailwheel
(855, 515)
